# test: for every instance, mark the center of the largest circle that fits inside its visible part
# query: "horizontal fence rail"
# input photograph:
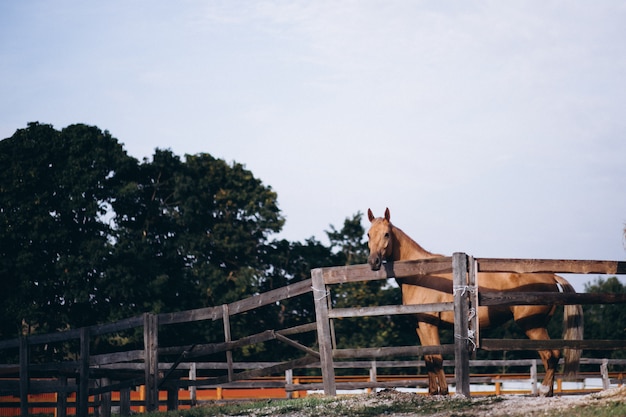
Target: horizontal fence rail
(389, 310)
(523, 266)
(487, 298)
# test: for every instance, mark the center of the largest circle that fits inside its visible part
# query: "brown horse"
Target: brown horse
(387, 242)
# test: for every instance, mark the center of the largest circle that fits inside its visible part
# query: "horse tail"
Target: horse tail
(572, 329)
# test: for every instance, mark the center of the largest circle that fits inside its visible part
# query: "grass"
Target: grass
(314, 406)
(611, 409)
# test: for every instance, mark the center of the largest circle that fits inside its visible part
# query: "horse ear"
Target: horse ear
(370, 215)
(387, 216)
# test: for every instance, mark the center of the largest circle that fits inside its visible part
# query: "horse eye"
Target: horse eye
(386, 235)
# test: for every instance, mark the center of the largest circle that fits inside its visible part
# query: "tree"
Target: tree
(89, 234)
(605, 321)
(56, 188)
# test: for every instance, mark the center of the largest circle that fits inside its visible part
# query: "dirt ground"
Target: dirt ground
(510, 405)
(386, 404)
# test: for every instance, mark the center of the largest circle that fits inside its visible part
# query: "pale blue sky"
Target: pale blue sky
(489, 127)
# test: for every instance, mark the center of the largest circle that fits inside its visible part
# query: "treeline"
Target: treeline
(89, 234)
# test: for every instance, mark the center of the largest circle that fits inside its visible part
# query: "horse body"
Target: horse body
(387, 242)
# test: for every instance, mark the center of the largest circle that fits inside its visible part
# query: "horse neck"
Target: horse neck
(405, 248)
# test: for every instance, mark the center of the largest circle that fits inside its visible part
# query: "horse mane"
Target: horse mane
(409, 248)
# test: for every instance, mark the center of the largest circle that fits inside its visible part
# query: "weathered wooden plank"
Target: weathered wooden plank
(525, 344)
(379, 352)
(66, 335)
(194, 351)
(256, 373)
(24, 376)
(82, 409)
(422, 382)
(105, 397)
(198, 314)
(598, 361)
(227, 339)
(151, 361)
(39, 339)
(211, 348)
(399, 269)
(250, 303)
(125, 324)
(303, 328)
(67, 367)
(297, 345)
(118, 386)
(551, 266)
(389, 310)
(270, 297)
(128, 356)
(461, 323)
(235, 384)
(324, 339)
(493, 298)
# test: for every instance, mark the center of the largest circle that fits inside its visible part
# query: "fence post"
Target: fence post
(24, 377)
(151, 361)
(105, 402)
(373, 374)
(192, 389)
(461, 293)
(474, 324)
(604, 371)
(172, 398)
(83, 378)
(323, 332)
(61, 410)
(227, 338)
(533, 377)
(125, 402)
(289, 381)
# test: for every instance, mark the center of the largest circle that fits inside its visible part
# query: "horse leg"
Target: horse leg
(550, 359)
(429, 336)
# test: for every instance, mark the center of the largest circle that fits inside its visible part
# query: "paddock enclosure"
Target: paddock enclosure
(92, 382)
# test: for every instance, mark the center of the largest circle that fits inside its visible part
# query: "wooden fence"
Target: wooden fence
(123, 371)
(464, 270)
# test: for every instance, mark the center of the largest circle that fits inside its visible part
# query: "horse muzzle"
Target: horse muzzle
(375, 261)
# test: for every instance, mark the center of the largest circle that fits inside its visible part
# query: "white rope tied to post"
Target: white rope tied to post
(471, 334)
(472, 314)
(470, 338)
(463, 288)
(326, 293)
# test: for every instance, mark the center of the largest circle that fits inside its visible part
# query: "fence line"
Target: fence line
(124, 370)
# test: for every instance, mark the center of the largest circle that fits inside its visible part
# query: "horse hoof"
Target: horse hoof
(545, 391)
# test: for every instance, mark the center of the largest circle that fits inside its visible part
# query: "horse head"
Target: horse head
(379, 240)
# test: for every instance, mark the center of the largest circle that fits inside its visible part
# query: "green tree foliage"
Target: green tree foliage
(90, 234)
(605, 321)
(192, 234)
(55, 191)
